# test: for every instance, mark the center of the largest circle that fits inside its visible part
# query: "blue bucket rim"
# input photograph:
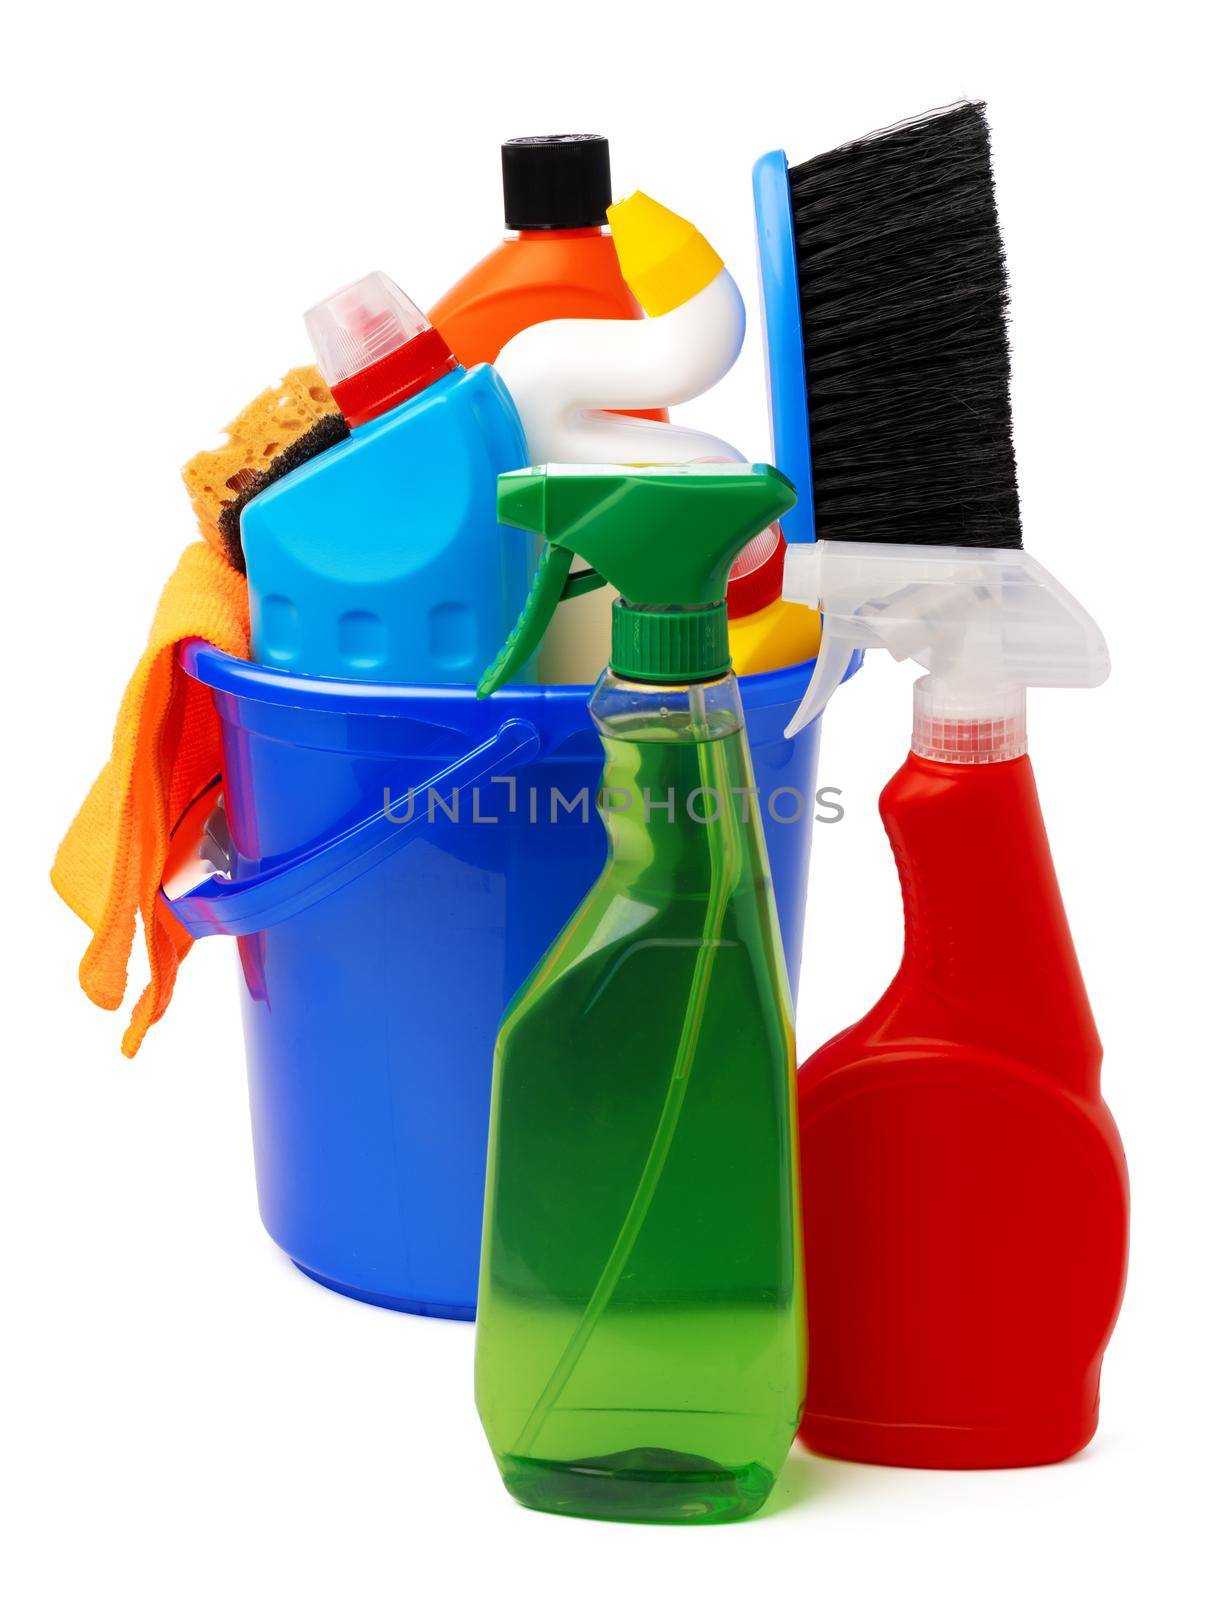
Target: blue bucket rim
(358, 697)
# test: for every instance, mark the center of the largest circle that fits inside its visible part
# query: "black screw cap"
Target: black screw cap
(556, 180)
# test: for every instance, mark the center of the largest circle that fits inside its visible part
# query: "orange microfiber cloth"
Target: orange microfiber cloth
(166, 751)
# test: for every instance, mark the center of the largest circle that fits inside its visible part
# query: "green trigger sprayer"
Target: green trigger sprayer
(640, 1349)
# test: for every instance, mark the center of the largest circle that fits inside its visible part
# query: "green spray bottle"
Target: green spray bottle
(641, 1338)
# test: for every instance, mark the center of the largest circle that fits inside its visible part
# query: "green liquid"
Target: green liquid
(641, 1342)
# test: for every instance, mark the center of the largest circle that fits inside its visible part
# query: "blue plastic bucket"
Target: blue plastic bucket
(399, 860)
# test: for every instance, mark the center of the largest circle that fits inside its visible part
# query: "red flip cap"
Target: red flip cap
(757, 577)
(375, 347)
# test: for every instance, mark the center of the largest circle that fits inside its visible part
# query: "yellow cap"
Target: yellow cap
(664, 259)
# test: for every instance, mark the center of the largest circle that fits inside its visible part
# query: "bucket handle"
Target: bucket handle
(221, 904)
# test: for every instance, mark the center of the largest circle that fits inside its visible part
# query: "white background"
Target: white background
(186, 1415)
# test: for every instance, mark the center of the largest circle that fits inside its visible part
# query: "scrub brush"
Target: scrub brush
(885, 292)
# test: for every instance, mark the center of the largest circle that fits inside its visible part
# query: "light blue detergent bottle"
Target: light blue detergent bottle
(382, 558)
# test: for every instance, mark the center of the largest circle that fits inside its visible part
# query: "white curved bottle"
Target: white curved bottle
(569, 377)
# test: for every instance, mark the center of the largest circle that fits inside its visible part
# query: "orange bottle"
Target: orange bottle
(557, 260)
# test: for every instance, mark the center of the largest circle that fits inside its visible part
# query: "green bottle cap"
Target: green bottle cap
(669, 646)
(665, 537)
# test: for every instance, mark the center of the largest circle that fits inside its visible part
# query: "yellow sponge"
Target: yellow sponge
(272, 420)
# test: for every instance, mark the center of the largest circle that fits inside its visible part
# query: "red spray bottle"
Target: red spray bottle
(965, 1191)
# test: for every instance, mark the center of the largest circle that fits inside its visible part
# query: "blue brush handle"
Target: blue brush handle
(783, 335)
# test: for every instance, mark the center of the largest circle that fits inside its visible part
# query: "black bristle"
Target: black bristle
(327, 431)
(903, 294)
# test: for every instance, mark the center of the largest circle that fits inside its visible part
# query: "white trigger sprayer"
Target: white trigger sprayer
(987, 624)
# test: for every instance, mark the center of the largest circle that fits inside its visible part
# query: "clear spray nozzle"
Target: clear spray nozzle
(985, 624)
